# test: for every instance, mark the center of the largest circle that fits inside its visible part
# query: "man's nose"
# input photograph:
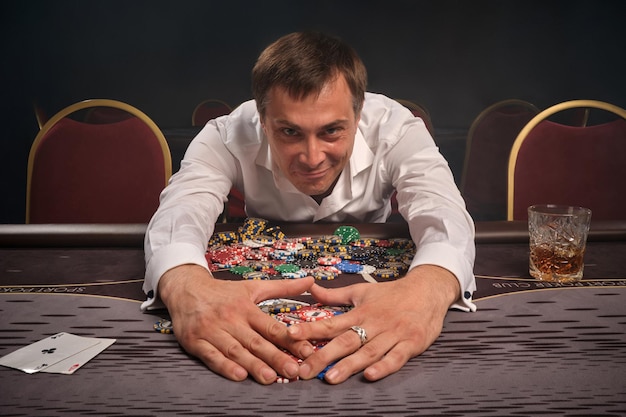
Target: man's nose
(312, 153)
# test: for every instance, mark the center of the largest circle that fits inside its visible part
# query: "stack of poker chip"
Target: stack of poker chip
(224, 238)
(259, 250)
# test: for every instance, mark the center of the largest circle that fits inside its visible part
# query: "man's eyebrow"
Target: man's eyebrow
(287, 123)
(334, 123)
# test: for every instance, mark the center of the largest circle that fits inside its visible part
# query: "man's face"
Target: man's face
(311, 139)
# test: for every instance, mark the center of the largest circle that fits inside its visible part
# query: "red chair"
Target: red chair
(574, 165)
(81, 172)
(208, 110)
(489, 141)
(235, 206)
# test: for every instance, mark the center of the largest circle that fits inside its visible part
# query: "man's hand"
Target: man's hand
(402, 319)
(219, 322)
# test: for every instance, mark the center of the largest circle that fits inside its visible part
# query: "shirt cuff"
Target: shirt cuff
(163, 260)
(448, 257)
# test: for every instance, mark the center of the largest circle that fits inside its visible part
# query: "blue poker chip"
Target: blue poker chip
(322, 374)
(349, 267)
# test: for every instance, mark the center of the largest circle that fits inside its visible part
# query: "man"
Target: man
(312, 146)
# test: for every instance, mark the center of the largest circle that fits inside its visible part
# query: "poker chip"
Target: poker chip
(383, 243)
(283, 380)
(286, 268)
(282, 254)
(312, 313)
(329, 239)
(348, 234)
(264, 240)
(300, 273)
(359, 253)
(323, 274)
(274, 231)
(253, 243)
(386, 273)
(240, 269)
(366, 242)
(398, 266)
(282, 306)
(305, 263)
(226, 237)
(289, 317)
(322, 374)
(349, 267)
(288, 245)
(164, 326)
(368, 269)
(306, 254)
(400, 242)
(328, 260)
(317, 246)
(339, 249)
(255, 275)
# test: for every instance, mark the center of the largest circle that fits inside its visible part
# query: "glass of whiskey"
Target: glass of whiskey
(558, 237)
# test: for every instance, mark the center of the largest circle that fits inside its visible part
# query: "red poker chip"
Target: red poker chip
(311, 313)
(328, 260)
(289, 317)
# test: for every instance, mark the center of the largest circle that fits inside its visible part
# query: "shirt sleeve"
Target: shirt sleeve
(179, 231)
(430, 201)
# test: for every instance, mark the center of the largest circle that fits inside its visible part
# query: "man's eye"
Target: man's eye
(289, 132)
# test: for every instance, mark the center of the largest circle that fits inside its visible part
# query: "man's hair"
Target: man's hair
(303, 63)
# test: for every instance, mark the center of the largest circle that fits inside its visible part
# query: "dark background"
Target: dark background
(454, 57)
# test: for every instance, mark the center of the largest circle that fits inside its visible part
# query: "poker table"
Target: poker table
(532, 348)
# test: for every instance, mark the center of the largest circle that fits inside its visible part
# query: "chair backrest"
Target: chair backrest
(80, 172)
(208, 110)
(419, 111)
(489, 141)
(575, 165)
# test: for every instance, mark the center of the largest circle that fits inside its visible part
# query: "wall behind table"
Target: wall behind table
(455, 57)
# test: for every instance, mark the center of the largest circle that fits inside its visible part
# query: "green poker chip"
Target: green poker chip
(348, 234)
(286, 268)
(240, 270)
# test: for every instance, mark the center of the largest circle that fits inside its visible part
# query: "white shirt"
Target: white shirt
(393, 150)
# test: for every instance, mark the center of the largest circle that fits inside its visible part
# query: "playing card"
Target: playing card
(73, 363)
(49, 351)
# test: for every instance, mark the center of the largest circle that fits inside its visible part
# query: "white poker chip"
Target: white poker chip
(368, 269)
